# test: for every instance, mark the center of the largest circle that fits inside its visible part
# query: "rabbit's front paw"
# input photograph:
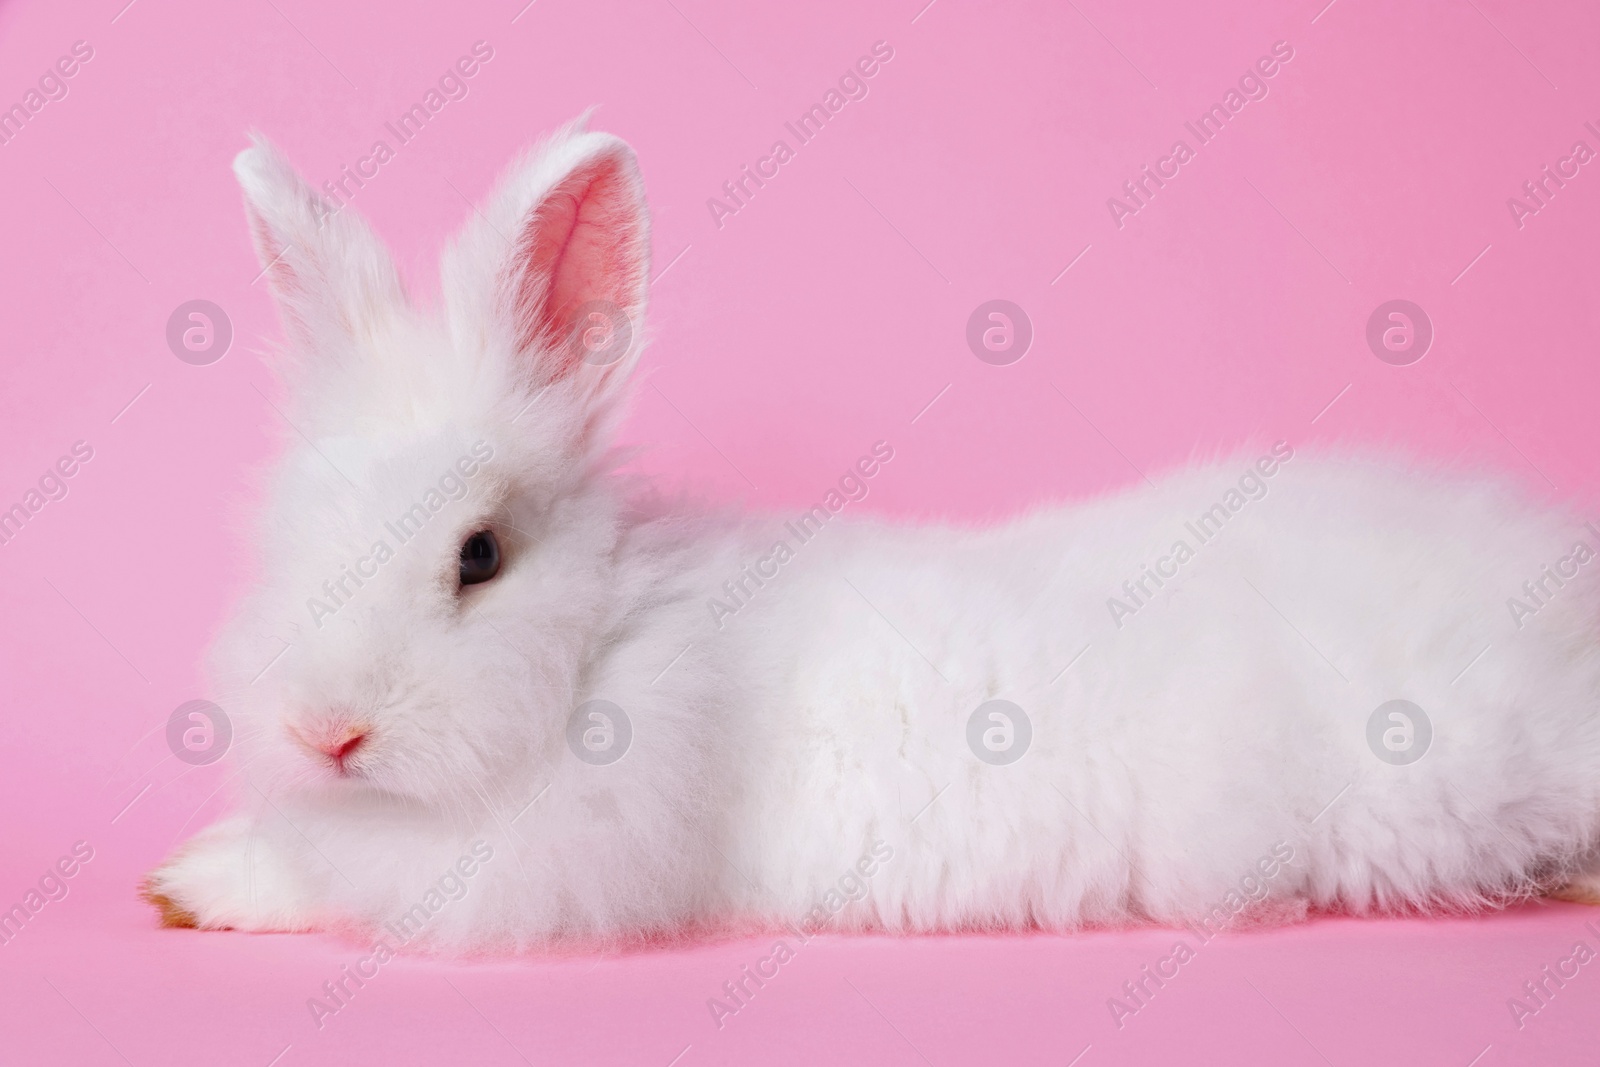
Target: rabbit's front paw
(228, 877)
(1581, 889)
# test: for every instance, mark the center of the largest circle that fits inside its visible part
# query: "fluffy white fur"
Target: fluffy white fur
(771, 752)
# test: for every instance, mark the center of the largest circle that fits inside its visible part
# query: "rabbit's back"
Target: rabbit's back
(1191, 670)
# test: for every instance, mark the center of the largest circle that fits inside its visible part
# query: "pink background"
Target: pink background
(823, 316)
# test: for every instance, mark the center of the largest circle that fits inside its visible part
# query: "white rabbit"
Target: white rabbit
(1202, 734)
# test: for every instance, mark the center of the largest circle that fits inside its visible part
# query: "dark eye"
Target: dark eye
(480, 558)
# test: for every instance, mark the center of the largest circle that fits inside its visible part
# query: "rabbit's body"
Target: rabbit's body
(800, 720)
(1227, 716)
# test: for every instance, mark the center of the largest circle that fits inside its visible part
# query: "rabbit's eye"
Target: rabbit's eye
(480, 558)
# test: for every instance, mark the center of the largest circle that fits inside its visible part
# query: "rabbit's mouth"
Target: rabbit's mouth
(335, 746)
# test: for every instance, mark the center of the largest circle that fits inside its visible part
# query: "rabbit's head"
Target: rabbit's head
(439, 530)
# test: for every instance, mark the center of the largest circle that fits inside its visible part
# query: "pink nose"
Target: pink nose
(336, 742)
(339, 750)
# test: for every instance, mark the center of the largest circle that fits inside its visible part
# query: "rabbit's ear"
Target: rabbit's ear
(333, 280)
(557, 267)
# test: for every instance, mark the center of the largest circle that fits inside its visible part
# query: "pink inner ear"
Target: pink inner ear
(578, 246)
(277, 265)
(270, 250)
